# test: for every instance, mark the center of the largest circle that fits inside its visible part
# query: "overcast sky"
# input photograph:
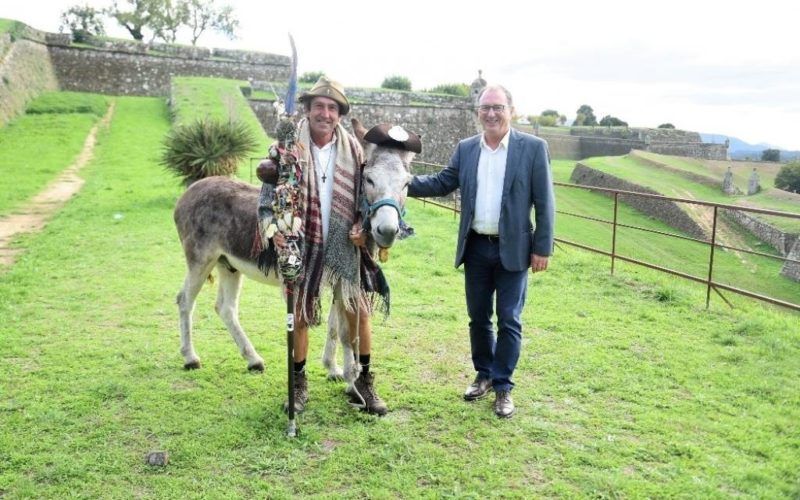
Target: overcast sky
(706, 66)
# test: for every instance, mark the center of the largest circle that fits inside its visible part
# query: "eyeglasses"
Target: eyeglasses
(497, 108)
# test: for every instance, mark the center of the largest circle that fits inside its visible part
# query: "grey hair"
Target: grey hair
(494, 86)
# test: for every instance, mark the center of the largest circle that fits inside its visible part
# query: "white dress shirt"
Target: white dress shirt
(325, 164)
(491, 174)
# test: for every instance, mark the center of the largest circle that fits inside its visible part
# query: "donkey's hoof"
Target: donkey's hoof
(256, 367)
(192, 365)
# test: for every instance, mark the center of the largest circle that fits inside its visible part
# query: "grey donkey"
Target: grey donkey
(216, 218)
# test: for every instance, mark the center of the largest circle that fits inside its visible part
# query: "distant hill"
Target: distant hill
(740, 150)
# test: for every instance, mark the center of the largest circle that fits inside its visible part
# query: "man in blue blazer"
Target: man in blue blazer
(502, 174)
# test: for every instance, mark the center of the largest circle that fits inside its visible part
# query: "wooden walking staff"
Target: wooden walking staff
(280, 212)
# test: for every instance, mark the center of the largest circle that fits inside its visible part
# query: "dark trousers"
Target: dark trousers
(484, 278)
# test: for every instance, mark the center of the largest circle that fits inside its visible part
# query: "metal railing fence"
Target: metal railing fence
(452, 202)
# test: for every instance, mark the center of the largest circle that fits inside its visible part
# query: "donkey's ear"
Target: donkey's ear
(407, 157)
(358, 129)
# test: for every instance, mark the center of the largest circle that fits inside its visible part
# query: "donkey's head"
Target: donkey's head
(388, 151)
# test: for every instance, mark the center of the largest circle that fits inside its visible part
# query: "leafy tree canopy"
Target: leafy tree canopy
(612, 121)
(771, 155)
(311, 76)
(82, 21)
(165, 17)
(788, 177)
(205, 15)
(396, 82)
(133, 15)
(585, 116)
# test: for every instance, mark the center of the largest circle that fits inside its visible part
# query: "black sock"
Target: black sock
(364, 360)
(299, 366)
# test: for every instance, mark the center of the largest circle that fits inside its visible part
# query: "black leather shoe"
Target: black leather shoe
(503, 404)
(478, 389)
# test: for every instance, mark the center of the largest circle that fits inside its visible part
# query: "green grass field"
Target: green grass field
(670, 184)
(750, 272)
(10, 26)
(44, 142)
(627, 386)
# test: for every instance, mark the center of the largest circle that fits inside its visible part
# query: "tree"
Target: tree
(546, 120)
(82, 22)
(311, 76)
(396, 82)
(562, 120)
(771, 155)
(204, 15)
(168, 18)
(788, 177)
(550, 112)
(667, 125)
(612, 121)
(585, 116)
(135, 17)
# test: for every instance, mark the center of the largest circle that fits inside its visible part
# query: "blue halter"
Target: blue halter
(368, 210)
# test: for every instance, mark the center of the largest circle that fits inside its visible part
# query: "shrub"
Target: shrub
(612, 121)
(205, 148)
(457, 89)
(667, 125)
(310, 76)
(788, 177)
(396, 82)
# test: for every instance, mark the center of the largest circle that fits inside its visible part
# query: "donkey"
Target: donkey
(216, 220)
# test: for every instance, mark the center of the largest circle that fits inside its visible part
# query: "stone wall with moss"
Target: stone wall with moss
(666, 211)
(441, 128)
(117, 72)
(25, 72)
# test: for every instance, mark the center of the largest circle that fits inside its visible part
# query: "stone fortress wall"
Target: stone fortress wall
(586, 142)
(133, 68)
(25, 71)
(440, 120)
(129, 67)
(668, 212)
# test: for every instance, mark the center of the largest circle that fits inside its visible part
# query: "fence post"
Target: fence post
(614, 233)
(711, 257)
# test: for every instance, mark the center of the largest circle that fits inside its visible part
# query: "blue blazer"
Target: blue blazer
(528, 184)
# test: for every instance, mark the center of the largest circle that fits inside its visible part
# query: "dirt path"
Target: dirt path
(35, 214)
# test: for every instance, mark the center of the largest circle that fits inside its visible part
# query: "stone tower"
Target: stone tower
(475, 88)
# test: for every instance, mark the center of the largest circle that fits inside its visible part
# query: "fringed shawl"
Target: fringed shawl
(335, 263)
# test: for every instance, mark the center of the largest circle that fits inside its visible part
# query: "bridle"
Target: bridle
(368, 210)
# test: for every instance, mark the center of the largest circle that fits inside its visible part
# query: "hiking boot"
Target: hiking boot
(503, 404)
(300, 393)
(478, 389)
(362, 395)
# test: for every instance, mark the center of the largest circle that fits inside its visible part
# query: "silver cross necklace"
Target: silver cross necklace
(331, 158)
